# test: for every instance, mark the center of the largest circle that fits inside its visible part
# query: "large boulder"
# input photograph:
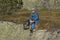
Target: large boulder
(13, 31)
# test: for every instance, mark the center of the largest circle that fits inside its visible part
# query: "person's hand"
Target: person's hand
(31, 21)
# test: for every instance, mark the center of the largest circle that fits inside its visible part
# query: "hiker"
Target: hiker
(33, 19)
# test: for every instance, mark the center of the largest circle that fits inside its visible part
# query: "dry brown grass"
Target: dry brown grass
(46, 16)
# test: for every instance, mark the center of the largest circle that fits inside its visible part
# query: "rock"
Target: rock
(13, 31)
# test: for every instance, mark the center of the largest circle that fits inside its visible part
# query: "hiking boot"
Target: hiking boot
(31, 31)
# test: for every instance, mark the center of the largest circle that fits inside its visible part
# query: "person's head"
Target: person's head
(33, 10)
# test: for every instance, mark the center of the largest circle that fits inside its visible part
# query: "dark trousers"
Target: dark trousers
(32, 25)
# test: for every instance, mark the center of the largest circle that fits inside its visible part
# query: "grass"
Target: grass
(46, 16)
(12, 31)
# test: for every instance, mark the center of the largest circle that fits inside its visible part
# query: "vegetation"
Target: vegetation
(46, 16)
(10, 6)
(9, 12)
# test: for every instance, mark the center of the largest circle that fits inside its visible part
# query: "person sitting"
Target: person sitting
(33, 19)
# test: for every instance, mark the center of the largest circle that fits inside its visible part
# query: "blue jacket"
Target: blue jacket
(34, 16)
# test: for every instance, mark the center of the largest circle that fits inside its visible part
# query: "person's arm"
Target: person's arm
(31, 18)
(36, 17)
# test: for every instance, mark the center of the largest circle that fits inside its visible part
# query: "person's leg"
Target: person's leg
(32, 27)
(27, 23)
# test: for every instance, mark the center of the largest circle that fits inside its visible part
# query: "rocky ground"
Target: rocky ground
(13, 31)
